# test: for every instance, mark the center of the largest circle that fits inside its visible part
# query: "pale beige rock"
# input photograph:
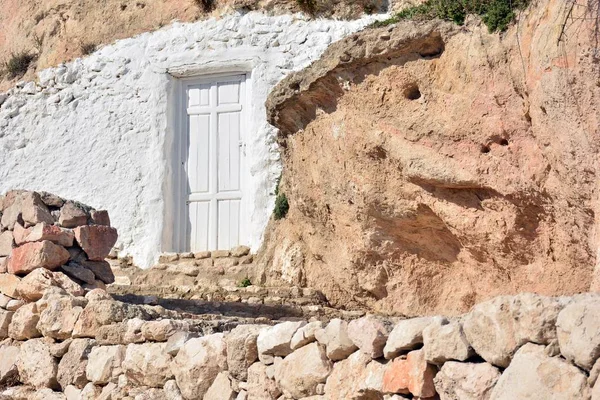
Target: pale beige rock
(406, 335)
(220, 253)
(369, 334)
(147, 364)
(198, 363)
(594, 373)
(172, 391)
(47, 394)
(15, 304)
(276, 340)
(72, 366)
(356, 377)
(96, 314)
(299, 373)
(59, 349)
(335, 338)
(90, 392)
(37, 367)
(220, 389)
(202, 255)
(305, 334)
(444, 341)
(260, 385)
(23, 325)
(242, 350)
(160, 331)
(534, 375)
(44, 231)
(466, 381)
(4, 299)
(177, 340)
(240, 251)
(578, 327)
(498, 327)
(59, 315)
(9, 355)
(6, 243)
(33, 209)
(596, 392)
(33, 286)
(72, 393)
(5, 318)
(8, 285)
(104, 363)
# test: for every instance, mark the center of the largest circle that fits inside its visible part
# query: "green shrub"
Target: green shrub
(281, 206)
(245, 283)
(87, 48)
(18, 63)
(496, 14)
(308, 6)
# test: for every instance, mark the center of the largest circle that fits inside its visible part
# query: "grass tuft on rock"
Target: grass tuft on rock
(496, 14)
(18, 63)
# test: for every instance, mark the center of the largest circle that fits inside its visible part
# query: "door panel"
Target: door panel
(214, 163)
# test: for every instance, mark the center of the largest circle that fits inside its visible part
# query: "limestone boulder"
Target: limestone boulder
(356, 377)
(147, 364)
(298, 374)
(104, 363)
(444, 341)
(275, 340)
(97, 314)
(412, 375)
(466, 381)
(37, 367)
(33, 286)
(23, 325)
(72, 366)
(261, 383)
(30, 256)
(59, 315)
(220, 389)
(198, 363)
(498, 327)
(172, 391)
(160, 331)
(72, 215)
(6, 243)
(177, 340)
(96, 240)
(578, 329)
(242, 350)
(5, 319)
(9, 354)
(8, 285)
(406, 335)
(534, 375)
(369, 334)
(305, 335)
(336, 340)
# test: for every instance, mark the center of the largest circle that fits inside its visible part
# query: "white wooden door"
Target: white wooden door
(215, 113)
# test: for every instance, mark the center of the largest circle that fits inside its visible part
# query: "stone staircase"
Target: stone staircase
(222, 283)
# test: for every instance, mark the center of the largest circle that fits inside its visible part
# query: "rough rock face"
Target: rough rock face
(430, 167)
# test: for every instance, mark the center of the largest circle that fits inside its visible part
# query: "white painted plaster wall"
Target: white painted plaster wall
(100, 130)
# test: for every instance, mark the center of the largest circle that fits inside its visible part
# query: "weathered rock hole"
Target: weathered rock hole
(412, 92)
(503, 142)
(485, 149)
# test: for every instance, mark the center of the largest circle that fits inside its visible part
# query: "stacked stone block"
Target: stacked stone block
(47, 241)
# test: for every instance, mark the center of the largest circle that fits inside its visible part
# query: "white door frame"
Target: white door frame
(181, 176)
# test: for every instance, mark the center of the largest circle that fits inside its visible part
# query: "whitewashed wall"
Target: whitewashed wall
(100, 129)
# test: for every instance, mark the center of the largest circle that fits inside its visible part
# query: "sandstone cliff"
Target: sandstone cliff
(429, 167)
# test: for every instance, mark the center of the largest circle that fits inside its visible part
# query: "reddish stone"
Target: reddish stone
(30, 256)
(411, 375)
(96, 240)
(33, 209)
(53, 233)
(20, 234)
(71, 215)
(100, 217)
